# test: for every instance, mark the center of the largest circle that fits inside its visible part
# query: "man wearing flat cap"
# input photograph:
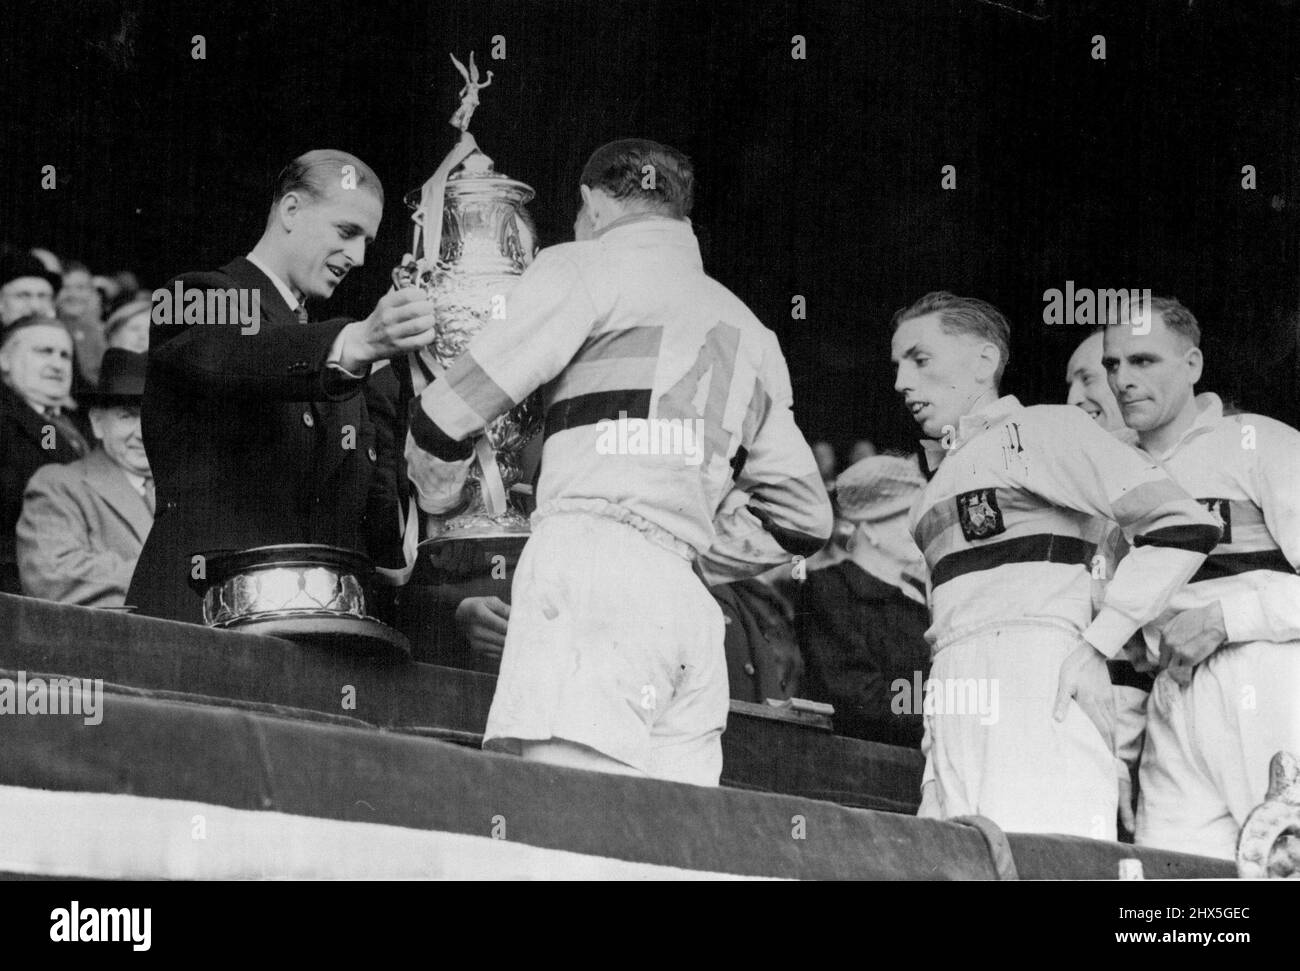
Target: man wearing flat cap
(83, 524)
(863, 617)
(35, 428)
(26, 287)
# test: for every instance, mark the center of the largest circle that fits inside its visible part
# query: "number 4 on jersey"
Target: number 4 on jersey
(717, 359)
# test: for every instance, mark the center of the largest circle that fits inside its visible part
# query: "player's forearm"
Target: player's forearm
(1144, 583)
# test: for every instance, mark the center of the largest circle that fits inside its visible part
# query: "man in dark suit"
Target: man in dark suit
(255, 420)
(84, 523)
(35, 380)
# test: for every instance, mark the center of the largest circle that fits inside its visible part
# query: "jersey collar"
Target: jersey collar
(1209, 412)
(968, 427)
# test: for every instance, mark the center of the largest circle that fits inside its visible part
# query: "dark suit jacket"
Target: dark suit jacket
(858, 636)
(81, 531)
(22, 435)
(248, 437)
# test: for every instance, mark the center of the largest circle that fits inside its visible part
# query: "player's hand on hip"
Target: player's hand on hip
(1191, 637)
(1085, 678)
(403, 320)
(483, 621)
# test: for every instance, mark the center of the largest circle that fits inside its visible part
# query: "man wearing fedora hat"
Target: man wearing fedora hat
(35, 427)
(83, 524)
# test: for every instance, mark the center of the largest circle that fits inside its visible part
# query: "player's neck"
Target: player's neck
(1160, 440)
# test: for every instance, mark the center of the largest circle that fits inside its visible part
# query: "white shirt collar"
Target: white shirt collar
(137, 481)
(280, 285)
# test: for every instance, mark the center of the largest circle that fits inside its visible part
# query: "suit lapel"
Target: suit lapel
(111, 484)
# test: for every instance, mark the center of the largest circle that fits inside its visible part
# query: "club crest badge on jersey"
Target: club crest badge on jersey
(1220, 509)
(979, 514)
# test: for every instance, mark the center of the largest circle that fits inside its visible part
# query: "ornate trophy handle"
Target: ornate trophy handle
(1269, 843)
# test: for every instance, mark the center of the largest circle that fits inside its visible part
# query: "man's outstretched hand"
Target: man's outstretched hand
(1086, 679)
(403, 320)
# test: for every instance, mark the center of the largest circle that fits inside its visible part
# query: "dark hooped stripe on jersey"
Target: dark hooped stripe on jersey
(434, 440)
(1123, 673)
(790, 540)
(738, 462)
(1041, 547)
(588, 409)
(1230, 564)
(1191, 537)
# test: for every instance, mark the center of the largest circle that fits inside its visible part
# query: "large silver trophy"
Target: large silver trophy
(467, 254)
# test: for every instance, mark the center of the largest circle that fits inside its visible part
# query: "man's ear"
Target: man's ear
(96, 423)
(986, 364)
(586, 195)
(287, 210)
(1195, 363)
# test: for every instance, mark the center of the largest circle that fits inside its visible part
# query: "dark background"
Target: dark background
(818, 177)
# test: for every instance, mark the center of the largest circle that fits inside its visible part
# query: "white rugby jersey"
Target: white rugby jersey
(1245, 469)
(1008, 525)
(665, 399)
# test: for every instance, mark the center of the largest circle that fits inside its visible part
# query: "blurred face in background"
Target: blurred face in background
(118, 430)
(825, 456)
(78, 298)
(1089, 388)
(26, 295)
(36, 363)
(132, 333)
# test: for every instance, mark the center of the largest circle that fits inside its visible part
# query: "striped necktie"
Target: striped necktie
(149, 495)
(302, 313)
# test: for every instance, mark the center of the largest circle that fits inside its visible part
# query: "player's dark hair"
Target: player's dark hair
(313, 173)
(965, 315)
(1177, 318)
(620, 169)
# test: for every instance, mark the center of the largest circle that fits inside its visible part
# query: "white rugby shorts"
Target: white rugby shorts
(616, 644)
(1208, 746)
(1013, 762)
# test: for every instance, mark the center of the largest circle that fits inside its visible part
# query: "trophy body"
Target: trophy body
(480, 257)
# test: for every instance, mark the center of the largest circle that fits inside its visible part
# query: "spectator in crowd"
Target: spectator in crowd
(824, 452)
(49, 260)
(1086, 380)
(128, 327)
(862, 618)
(83, 524)
(26, 287)
(78, 306)
(763, 659)
(117, 290)
(863, 448)
(35, 378)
